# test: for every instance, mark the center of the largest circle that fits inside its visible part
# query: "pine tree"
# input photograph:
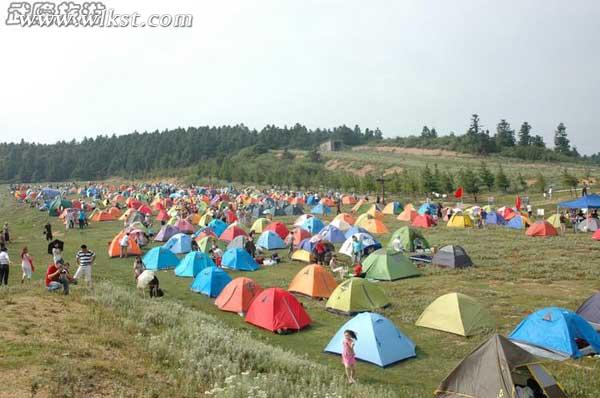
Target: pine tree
(501, 180)
(505, 136)
(486, 176)
(470, 182)
(561, 140)
(525, 134)
(540, 183)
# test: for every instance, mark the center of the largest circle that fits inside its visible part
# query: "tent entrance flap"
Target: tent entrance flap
(547, 382)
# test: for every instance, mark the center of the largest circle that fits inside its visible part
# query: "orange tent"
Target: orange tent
(313, 281)
(358, 205)
(238, 295)
(348, 200)
(407, 214)
(375, 226)
(102, 216)
(375, 212)
(114, 249)
(423, 221)
(328, 202)
(541, 228)
(346, 218)
(115, 212)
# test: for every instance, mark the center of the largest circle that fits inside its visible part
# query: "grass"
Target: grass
(514, 275)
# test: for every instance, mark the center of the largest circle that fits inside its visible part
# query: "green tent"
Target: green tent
(56, 204)
(388, 266)
(356, 295)
(409, 238)
(498, 368)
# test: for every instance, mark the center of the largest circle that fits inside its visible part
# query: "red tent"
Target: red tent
(596, 235)
(184, 226)
(145, 209)
(231, 233)
(423, 221)
(299, 235)
(231, 217)
(279, 228)
(275, 309)
(541, 228)
(163, 216)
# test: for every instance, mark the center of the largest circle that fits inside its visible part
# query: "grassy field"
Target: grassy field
(514, 275)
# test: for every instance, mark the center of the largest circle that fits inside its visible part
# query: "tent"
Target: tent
(541, 228)
(518, 222)
(345, 217)
(356, 295)
(102, 216)
(452, 256)
(314, 281)
(596, 235)
(410, 239)
(460, 221)
(355, 230)
(302, 255)
(210, 281)
(237, 242)
(494, 218)
(160, 258)
(276, 310)
(232, 232)
(379, 341)
(590, 310)
(423, 221)
(495, 369)
(585, 202)
(238, 295)
(184, 226)
(321, 209)
(385, 266)
(313, 225)
(456, 313)
(556, 330)
(375, 226)
(428, 208)
(259, 225)
(589, 225)
(165, 233)
(114, 249)
(269, 240)
(238, 259)
(332, 234)
(340, 224)
(192, 264)
(375, 212)
(554, 220)
(179, 244)
(279, 228)
(408, 214)
(298, 235)
(392, 208)
(369, 244)
(217, 226)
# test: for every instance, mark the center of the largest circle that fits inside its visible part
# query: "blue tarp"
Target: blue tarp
(379, 341)
(210, 281)
(193, 263)
(584, 202)
(556, 329)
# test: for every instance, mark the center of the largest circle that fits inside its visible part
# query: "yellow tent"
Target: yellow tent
(362, 219)
(301, 255)
(554, 220)
(204, 220)
(194, 218)
(260, 224)
(375, 212)
(460, 221)
(375, 226)
(456, 313)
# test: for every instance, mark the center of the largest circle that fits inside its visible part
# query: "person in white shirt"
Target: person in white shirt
(4, 264)
(124, 243)
(57, 254)
(397, 244)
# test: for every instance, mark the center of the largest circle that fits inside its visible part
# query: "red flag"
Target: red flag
(518, 202)
(458, 194)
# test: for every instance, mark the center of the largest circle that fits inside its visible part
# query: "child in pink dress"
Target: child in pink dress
(348, 356)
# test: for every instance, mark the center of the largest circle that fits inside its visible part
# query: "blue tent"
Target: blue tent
(311, 200)
(332, 234)
(210, 281)
(355, 230)
(269, 240)
(556, 329)
(160, 258)
(193, 263)
(585, 202)
(313, 225)
(179, 244)
(517, 222)
(50, 193)
(428, 208)
(397, 207)
(238, 259)
(494, 218)
(218, 226)
(321, 209)
(307, 245)
(379, 341)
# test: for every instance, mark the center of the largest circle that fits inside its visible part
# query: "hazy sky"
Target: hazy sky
(394, 64)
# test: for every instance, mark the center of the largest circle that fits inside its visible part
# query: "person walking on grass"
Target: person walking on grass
(4, 266)
(124, 244)
(5, 233)
(85, 258)
(357, 249)
(348, 355)
(48, 231)
(26, 265)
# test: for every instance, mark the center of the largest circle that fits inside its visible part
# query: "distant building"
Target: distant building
(331, 146)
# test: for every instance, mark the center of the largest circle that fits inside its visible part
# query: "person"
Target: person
(333, 266)
(81, 219)
(397, 244)
(348, 355)
(320, 252)
(529, 210)
(26, 264)
(138, 267)
(250, 246)
(584, 190)
(217, 254)
(5, 233)
(563, 223)
(154, 287)
(338, 206)
(357, 249)
(57, 254)
(357, 270)
(550, 193)
(124, 244)
(85, 258)
(48, 231)
(4, 266)
(56, 277)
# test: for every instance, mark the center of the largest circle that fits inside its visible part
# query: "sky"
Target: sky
(392, 64)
